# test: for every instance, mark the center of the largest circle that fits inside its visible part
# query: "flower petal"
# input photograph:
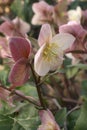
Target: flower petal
(48, 121)
(40, 65)
(51, 61)
(38, 7)
(7, 28)
(46, 116)
(19, 47)
(45, 35)
(73, 28)
(19, 73)
(64, 40)
(75, 15)
(21, 25)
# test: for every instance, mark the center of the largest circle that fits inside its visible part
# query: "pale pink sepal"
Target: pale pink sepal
(45, 35)
(7, 28)
(48, 121)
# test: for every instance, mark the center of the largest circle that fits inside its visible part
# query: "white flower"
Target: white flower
(75, 15)
(50, 55)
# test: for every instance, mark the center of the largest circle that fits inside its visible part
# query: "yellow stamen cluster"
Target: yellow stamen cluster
(50, 52)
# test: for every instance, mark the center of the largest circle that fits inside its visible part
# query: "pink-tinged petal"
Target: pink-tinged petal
(45, 35)
(40, 65)
(73, 28)
(19, 73)
(7, 28)
(22, 26)
(37, 19)
(38, 7)
(46, 116)
(19, 47)
(48, 121)
(63, 40)
(43, 127)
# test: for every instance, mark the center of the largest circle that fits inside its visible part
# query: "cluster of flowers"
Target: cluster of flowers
(70, 35)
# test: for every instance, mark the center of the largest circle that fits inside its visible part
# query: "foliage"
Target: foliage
(43, 65)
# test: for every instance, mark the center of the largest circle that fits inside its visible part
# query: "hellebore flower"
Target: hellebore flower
(20, 49)
(43, 13)
(50, 55)
(60, 13)
(16, 27)
(48, 121)
(75, 15)
(80, 34)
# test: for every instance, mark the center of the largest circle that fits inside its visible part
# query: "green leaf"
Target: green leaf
(27, 119)
(72, 118)
(29, 90)
(67, 62)
(17, 126)
(84, 89)
(3, 76)
(81, 123)
(60, 116)
(79, 66)
(17, 8)
(5, 123)
(70, 72)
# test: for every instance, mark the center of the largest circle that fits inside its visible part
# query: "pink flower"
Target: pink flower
(43, 13)
(16, 27)
(80, 34)
(50, 55)
(20, 49)
(48, 121)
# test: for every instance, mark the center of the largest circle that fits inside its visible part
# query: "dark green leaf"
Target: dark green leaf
(27, 119)
(70, 72)
(79, 66)
(72, 118)
(60, 116)
(5, 123)
(81, 123)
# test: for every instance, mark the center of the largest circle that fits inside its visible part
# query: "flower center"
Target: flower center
(50, 51)
(50, 126)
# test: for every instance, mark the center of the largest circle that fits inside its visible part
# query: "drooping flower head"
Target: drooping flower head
(16, 27)
(20, 49)
(50, 55)
(48, 121)
(79, 33)
(43, 13)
